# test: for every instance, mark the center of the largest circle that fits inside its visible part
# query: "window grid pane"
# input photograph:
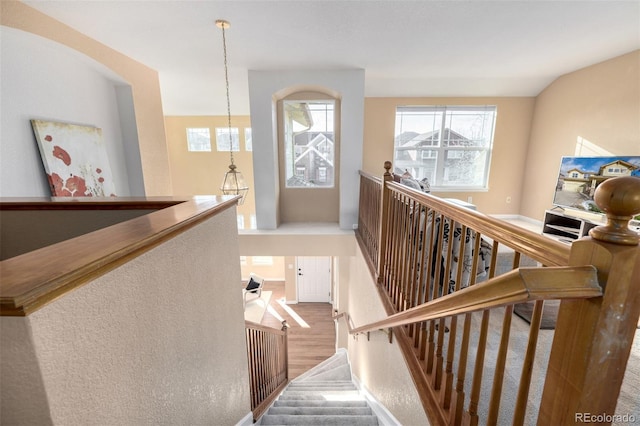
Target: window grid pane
(248, 141)
(448, 145)
(222, 139)
(309, 144)
(198, 139)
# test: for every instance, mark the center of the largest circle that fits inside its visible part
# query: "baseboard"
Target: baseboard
(384, 416)
(246, 420)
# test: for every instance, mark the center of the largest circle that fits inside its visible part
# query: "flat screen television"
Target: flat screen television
(580, 176)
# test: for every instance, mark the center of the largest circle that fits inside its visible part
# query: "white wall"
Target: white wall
(378, 364)
(159, 340)
(45, 80)
(263, 87)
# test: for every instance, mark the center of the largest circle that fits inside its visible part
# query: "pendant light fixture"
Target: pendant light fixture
(233, 182)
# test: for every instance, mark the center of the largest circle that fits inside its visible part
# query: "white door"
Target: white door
(314, 279)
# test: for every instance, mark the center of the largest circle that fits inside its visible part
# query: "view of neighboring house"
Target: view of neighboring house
(576, 180)
(313, 161)
(415, 152)
(580, 176)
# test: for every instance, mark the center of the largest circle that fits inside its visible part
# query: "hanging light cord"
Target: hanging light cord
(226, 79)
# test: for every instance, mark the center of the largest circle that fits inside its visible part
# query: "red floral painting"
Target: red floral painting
(74, 158)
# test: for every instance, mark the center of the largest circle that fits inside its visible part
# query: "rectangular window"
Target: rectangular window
(198, 139)
(262, 260)
(222, 138)
(248, 142)
(309, 144)
(322, 174)
(450, 146)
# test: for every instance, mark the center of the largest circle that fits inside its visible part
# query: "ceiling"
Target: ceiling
(407, 48)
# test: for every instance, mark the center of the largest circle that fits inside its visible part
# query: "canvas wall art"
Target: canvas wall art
(75, 159)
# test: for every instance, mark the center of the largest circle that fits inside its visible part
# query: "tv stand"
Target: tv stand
(565, 228)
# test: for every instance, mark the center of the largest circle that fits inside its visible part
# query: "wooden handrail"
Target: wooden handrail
(370, 176)
(545, 250)
(267, 354)
(31, 280)
(518, 286)
(432, 255)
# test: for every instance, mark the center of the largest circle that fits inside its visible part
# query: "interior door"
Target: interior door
(314, 279)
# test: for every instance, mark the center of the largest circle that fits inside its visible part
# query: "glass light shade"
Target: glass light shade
(234, 184)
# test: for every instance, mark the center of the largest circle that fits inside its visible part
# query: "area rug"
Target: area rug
(549, 313)
(256, 307)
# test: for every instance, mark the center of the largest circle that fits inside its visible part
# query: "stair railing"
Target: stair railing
(433, 255)
(268, 364)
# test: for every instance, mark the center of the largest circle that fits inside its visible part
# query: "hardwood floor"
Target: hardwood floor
(311, 330)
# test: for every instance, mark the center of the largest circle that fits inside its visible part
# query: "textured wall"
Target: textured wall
(145, 87)
(379, 365)
(600, 104)
(159, 340)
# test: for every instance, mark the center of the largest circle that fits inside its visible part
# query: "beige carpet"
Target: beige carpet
(256, 307)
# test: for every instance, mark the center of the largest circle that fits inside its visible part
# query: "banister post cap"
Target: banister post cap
(619, 198)
(387, 167)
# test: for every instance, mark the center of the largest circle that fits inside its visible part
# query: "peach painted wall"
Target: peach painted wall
(144, 82)
(201, 173)
(511, 139)
(600, 103)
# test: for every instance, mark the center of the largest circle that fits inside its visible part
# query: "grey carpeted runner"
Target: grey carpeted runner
(325, 395)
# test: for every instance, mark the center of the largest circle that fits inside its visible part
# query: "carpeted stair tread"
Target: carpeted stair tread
(325, 411)
(339, 359)
(322, 388)
(325, 395)
(320, 383)
(320, 420)
(318, 403)
(339, 372)
(317, 396)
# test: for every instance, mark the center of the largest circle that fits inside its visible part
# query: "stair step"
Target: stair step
(325, 395)
(322, 383)
(318, 403)
(339, 372)
(317, 397)
(312, 388)
(324, 411)
(349, 394)
(319, 420)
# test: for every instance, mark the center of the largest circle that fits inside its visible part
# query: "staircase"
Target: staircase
(324, 395)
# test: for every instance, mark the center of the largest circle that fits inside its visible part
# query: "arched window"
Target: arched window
(309, 143)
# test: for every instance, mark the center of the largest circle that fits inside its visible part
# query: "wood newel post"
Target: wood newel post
(384, 212)
(593, 337)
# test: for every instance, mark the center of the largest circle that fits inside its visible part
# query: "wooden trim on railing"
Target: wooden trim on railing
(268, 364)
(517, 286)
(34, 279)
(545, 250)
(370, 176)
(266, 329)
(88, 203)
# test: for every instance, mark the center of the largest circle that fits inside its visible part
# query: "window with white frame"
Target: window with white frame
(450, 146)
(198, 139)
(222, 139)
(309, 143)
(248, 142)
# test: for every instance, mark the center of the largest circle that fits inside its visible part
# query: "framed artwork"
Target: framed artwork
(75, 159)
